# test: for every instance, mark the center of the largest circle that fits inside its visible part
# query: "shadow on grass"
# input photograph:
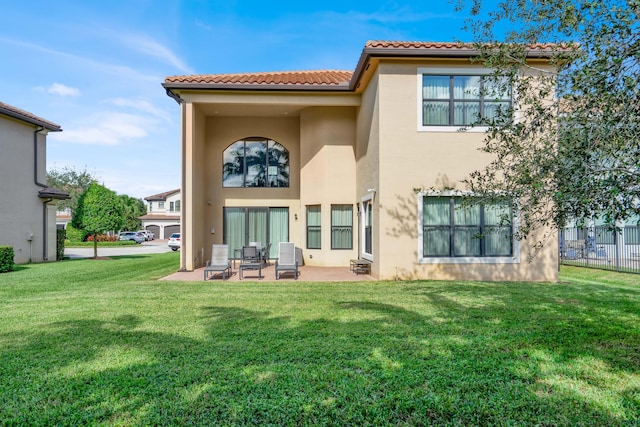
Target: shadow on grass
(365, 363)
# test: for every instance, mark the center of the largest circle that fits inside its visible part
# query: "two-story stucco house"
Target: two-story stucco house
(163, 214)
(28, 214)
(351, 165)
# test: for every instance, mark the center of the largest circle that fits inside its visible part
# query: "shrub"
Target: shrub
(60, 236)
(6, 259)
(103, 238)
(74, 234)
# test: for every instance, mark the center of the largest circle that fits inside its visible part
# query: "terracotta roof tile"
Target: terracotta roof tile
(321, 78)
(444, 45)
(334, 79)
(28, 117)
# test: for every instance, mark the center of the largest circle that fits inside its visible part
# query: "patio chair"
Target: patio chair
(265, 254)
(250, 254)
(250, 261)
(219, 262)
(287, 259)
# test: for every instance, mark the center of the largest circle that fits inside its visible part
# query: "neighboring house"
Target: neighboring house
(28, 216)
(339, 163)
(163, 214)
(599, 239)
(63, 218)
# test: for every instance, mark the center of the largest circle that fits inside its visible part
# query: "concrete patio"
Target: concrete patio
(306, 274)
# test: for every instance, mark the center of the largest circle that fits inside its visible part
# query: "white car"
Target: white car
(174, 241)
(148, 235)
(132, 235)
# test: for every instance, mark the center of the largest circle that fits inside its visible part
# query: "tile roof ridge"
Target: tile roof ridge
(450, 44)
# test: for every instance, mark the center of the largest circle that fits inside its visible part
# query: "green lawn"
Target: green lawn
(102, 342)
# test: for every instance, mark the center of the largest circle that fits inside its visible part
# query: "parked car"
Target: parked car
(132, 235)
(148, 235)
(174, 241)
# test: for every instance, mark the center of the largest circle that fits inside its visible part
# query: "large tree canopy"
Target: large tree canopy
(99, 210)
(133, 209)
(570, 149)
(71, 181)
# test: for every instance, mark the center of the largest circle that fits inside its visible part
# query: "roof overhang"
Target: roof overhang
(53, 193)
(337, 81)
(25, 116)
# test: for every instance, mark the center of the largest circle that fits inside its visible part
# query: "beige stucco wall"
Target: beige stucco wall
(411, 159)
(368, 164)
(23, 212)
(327, 176)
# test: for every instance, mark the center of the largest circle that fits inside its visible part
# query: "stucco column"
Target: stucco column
(187, 209)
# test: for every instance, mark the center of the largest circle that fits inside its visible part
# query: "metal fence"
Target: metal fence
(604, 247)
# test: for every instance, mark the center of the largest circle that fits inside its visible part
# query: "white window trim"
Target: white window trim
(367, 198)
(514, 259)
(449, 71)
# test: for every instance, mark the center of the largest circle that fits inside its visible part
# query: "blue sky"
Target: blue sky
(96, 68)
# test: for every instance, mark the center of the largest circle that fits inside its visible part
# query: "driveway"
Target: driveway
(152, 247)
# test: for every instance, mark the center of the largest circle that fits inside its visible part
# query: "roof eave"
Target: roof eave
(32, 120)
(267, 87)
(395, 52)
(53, 193)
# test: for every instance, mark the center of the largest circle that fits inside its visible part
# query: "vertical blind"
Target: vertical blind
(341, 226)
(314, 230)
(452, 228)
(463, 100)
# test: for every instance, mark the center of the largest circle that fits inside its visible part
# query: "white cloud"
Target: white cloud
(141, 105)
(152, 48)
(204, 26)
(76, 61)
(108, 129)
(149, 47)
(62, 90)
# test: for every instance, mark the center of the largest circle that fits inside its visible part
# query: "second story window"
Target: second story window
(160, 205)
(171, 209)
(462, 100)
(177, 205)
(255, 162)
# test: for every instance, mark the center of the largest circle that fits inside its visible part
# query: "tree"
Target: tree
(99, 210)
(573, 151)
(71, 181)
(133, 209)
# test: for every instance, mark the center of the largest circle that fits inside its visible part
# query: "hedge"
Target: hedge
(60, 236)
(6, 259)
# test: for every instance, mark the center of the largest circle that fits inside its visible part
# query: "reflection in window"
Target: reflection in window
(255, 162)
(452, 228)
(464, 100)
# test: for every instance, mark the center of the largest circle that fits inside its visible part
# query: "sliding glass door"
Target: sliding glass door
(264, 225)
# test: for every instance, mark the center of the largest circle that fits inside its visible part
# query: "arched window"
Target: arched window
(255, 162)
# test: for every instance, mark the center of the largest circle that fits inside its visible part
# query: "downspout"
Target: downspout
(44, 205)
